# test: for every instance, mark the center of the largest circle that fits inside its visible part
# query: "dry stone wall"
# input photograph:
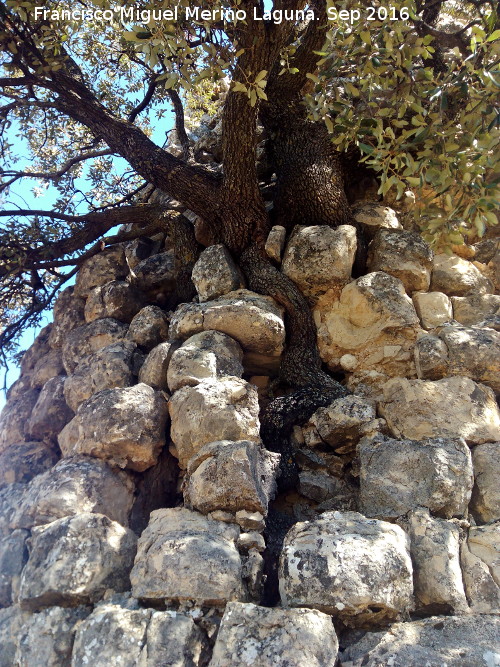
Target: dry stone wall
(142, 519)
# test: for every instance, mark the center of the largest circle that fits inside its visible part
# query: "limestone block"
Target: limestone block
(480, 557)
(458, 277)
(11, 496)
(374, 321)
(117, 299)
(215, 273)
(357, 569)
(454, 641)
(275, 243)
(259, 636)
(485, 500)
(68, 314)
(46, 639)
(82, 341)
(149, 327)
(207, 355)
(19, 387)
(12, 620)
(38, 349)
(318, 258)
(224, 409)
(116, 635)
(156, 275)
(183, 556)
(79, 484)
(476, 308)
(110, 264)
(24, 460)
(433, 308)
(154, 369)
(47, 367)
(324, 488)
(50, 413)
(376, 216)
(448, 408)
(431, 357)
(435, 547)
(250, 520)
(404, 255)
(126, 427)
(231, 476)
(13, 557)
(111, 366)
(74, 560)
(14, 418)
(400, 475)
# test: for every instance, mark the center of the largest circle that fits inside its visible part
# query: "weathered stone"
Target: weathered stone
(139, 249)
(207, 355)
(448, 408)
(80, 484)
(231, 476)
(275, 243)
(11, 496)
(47, 367)
(494, 266)
(318, 258)
(126, 427)
(357, 569)
(47, 637)
(258, 636)
(38, 349)
(480, 557)
(74, 560)
(24, 460)
(154, 369)
(50, 413)
(111, 366)
(224, 409)
(376, 216)
(82, 341)
(485, 500)
(401, 475)
(454, 641)
(12, 620)
(324, 488)
(116, 635)
(435, 546)
(474, 309)
(184, 556)
(110, 264)
(458, 350)
(68, 314)
(215, 273)
(248, 541)
(374, 321)
(117, 299)
(13, 557)
(149, 327)
(250, 520)
(458, 277)
(433, 308)
(14, 418)
(404, 255)
(156, 276)
(19, 387)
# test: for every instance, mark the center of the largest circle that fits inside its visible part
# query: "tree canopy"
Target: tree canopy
(408, 90)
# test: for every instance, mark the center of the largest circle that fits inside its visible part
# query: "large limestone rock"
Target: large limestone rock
(207, 355)
(373, 321)
(47, 637)
(467, 641)
(12, 620)
(433, 308)
(111, 366)
(184, 556)
(14, 418)
(119, 633)
(215, 273)
(24, 460)
(448, 408)
(404, 255)
(82, 341)
(457, 277)
(154, 369)
(357, 569)
(231, 476)
(435, 547)
(320, 257)
(149, 327)
(485, 500)
(47, 367)
(224, 409)
(38, 349)
(13, 557)
(257, 636)
(110, 264)
(68, 314)
(74, 560)
(480, 556)
(126, 427)
(476, 308)
(117, 299)
(79, 484)
(50, 413)
(400, 475)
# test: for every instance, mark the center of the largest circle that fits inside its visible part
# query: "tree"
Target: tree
(408, 92)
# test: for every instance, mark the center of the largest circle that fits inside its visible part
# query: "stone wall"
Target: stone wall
(142, 520)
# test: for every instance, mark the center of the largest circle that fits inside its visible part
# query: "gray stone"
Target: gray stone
(433, 308)
(259, 636)
(275, 243)
(458, 277)
(117, 299)
(110, 264)
(139, 249)
(14, 418)
(11, 496)
(323, 488)
(401, 475)
(207, 355)
(154, 369)
(249, 541)
(376, 216)
(149, 327)
(24, 460)
(13, 557)
(74, 560)
(474, 309)
(250, 520)
(47, 367)
(480, 557)
(82, 341)
(50, 413)
(357, 569)
(485, 500)
(156, 276)
(12, 620)
(38, 349)
(126, 427)
(215, 273)
(184, 556)
(68, 314)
